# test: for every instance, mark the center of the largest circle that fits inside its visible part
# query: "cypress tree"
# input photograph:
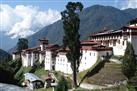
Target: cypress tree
(71, 39)
(129, 62)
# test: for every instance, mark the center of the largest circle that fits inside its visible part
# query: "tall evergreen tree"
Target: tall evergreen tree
(71, 39)
(22, 44)
(129, 62)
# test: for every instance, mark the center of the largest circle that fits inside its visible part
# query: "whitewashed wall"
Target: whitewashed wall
(15, 56)
(62, 64)
(41, 57)
(88, 59)
(48, 60)
(26, 59)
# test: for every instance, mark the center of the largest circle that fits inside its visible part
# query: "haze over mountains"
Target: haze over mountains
(93, 19)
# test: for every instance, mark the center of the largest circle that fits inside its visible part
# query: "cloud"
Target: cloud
(22, 21)
(129, 4)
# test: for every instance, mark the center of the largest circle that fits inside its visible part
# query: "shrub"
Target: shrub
(62, 85)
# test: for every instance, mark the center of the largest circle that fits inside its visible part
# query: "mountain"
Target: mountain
(4, 56)
(6, 42)
(93, 19)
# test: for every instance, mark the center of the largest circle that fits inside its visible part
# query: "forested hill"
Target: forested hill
(4, 55)
(93, 19)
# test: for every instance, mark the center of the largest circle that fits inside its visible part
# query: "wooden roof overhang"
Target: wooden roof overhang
(115, 33)
(97, 48)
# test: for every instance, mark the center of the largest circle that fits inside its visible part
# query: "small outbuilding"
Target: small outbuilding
(32, 81)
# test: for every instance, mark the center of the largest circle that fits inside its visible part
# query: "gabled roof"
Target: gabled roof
(108, 32)
(31, 77)
(52, 47)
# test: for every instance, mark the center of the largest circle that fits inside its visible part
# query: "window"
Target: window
(114, 43)
(90, 54)
(85, 58)
(118, 41)
(123, 43)
(94, 54)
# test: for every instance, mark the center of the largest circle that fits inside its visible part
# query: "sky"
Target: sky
(22, 18)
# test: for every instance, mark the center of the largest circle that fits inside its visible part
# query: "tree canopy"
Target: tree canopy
(71, 39)
(129, 62)
(22, 44)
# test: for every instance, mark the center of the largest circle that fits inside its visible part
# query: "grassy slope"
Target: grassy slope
(82, 74)
(39, 72)
(42, 89)
(109, 74)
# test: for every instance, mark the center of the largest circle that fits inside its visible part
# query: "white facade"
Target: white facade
(90, 57)
(29, 58)
(26, 59)
(48, 60)
(15, 56)
(118, 39)
(62, 64)
(119, 43)
(41, 57)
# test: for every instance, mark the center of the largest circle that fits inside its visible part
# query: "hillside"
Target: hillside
(110, 74)
(93, 19)
(4, 55)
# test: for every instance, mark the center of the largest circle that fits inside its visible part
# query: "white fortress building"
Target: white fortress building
(62, 63)
(91, 51)
(50, 56)
(100, 45)
(117, 39)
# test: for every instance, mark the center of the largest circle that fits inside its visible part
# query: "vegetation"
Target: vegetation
(62, 84)
(4, 56)
(71, 23)
(118, 88)
(43, 89)
(6, 73)
(39, 71)
(82, 75)
(22, 44)
(129, 62)
(117, 57)
(58, 75)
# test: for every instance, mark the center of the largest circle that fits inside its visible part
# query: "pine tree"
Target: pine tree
(71, 39)
(129, 62)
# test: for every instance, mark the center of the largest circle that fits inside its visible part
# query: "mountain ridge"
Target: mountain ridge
(4, 56)
(93, 19)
